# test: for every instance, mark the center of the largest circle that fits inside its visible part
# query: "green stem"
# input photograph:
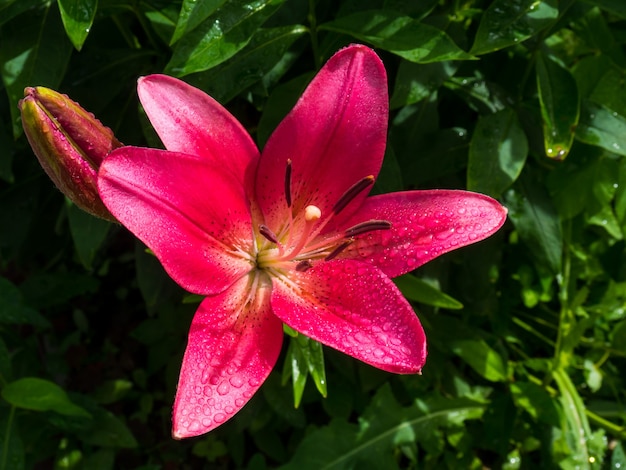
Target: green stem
(565, 320)
(7, 436)
(313, 32)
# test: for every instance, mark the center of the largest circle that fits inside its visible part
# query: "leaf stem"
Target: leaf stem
(7, 436)
(313, 32)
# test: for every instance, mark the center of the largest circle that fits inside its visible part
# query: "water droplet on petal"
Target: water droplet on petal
(236, 382)
(223, 388)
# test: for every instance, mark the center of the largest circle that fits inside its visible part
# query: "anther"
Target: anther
(312, 213)
(288, 183)
(267, 233)
(333, 254)
(369, 226)
(353, 192)
(303, 266)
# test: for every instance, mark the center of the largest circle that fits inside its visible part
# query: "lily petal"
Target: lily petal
(354, 308)
(334, 137)
(232, 348)
(190, 121)
(424, 225)
(192, 215)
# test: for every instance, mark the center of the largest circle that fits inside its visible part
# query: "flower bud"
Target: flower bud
(70, 144)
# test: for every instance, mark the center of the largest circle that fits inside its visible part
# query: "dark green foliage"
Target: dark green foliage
(520, 99)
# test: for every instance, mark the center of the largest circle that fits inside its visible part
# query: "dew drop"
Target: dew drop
(223, 388)
(214, 380)
(254, 382)
(236, 382)
(208, 391)
(239, 402)
(219, 418)
(194, 426)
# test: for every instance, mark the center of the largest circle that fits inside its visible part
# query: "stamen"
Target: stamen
(267, 233)
(333, 254)
(288, 183)
(353, 192)
(303, 266)
(369, 226)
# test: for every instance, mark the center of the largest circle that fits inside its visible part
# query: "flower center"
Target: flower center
(298, 244)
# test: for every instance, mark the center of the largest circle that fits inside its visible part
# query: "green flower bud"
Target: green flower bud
(70, 144)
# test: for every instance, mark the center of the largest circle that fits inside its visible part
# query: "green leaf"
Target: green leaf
(9, 9)
(616, 7)
(399, 34)
(32, 393)
(537, 222)
(384, 427)
(13, 311)
(77, 16)
(560, 106)
(305, 357)
(602, 127)
(6, 368)
(416, 82)
(508, 22)
(220, 36)
(35, 51)
(56, 288)
(497, 153)
(12, 455)
(296, 368)
(108, 431)
(418, 290)
(482, 358)
(618, 458)
(111, 391)
(580, 440)
(88, 233)
(250, 65)
(6, 158)
(192, 14)
(536, 401)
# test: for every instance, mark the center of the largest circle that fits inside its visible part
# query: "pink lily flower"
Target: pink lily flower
(288, 235)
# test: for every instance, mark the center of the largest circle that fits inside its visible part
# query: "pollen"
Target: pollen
(312, 213)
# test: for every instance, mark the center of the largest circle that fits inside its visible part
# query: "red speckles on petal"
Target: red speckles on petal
(333, 137)
(233, 346)
(355, 308)
(425, 224)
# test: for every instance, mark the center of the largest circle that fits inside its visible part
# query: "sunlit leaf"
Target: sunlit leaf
(536, 401)
(602, 127)
(507, 22)
(560, 106)
(77, 16)
(250, 65)
(192, 14)
(220, 36)
(401, 35)
(482, 358)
